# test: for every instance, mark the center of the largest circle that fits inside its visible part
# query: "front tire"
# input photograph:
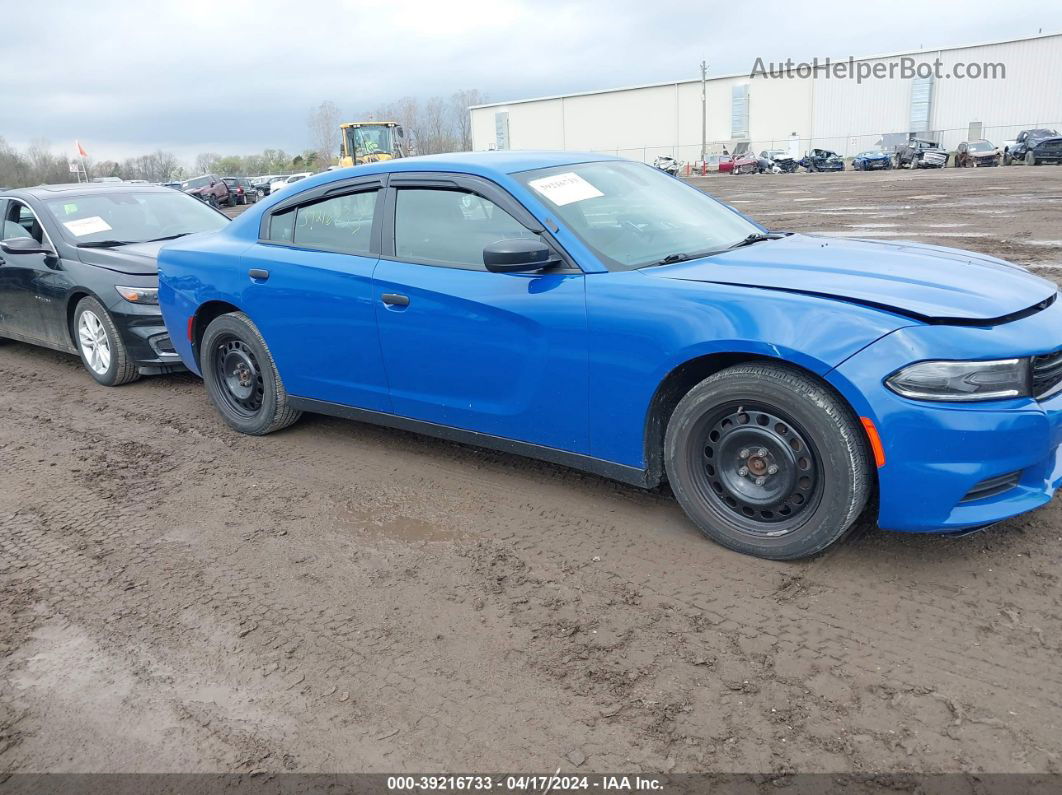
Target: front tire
(100, 346)
(767, 461)
(241, 377)
(1030, 159)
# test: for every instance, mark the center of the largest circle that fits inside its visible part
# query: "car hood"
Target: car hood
(134, 259)
(930, 283)
(1041, 141)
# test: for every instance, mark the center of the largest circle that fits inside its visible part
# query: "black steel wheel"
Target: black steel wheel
(767, 460)
(756, 463)
(237, 375)
(241, 377)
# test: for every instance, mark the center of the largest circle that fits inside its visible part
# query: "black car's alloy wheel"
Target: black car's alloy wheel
(767, 460)
(241, 377)
(100, 345)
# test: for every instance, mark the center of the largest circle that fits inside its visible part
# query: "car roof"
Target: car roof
(505, 161)
(84, 189)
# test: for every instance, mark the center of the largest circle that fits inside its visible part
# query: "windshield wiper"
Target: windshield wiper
(167, 237)
(106, 243)
(755, 237)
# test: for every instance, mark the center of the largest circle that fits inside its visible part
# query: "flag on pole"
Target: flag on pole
(80, 149)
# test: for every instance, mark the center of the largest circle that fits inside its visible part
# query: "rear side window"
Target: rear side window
(448, 227)
(341, 223)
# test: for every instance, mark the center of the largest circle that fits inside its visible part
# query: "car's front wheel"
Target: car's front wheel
(241, 377)
(1030, 159)
(102, 350)
(767, 461)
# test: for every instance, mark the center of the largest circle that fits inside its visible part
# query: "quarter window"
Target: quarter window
(449, 227)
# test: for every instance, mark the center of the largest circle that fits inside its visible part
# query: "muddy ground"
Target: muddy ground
(339, 597)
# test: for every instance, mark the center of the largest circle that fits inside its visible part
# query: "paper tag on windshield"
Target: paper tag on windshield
(565, 188)
(87, 226)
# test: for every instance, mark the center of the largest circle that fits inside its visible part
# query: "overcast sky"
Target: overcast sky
(127, 77)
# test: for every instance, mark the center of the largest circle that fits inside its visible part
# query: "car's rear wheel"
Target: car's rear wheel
(241, 377)
(100, 346)
(767, 461)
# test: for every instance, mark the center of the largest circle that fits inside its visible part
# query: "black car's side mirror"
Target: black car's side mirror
(518, 255)
(25, 245)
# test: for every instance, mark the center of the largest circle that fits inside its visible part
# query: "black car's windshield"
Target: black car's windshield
(631, 215)
(132, 217)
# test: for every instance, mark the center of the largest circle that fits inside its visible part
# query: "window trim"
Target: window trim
(464, 183)
(321, 193)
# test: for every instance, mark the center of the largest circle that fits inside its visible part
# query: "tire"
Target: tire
(1007, 159)
(102, 350)
(1030, 159)
(231, 199)
(713, 456)
(241, 377)
(213, 201)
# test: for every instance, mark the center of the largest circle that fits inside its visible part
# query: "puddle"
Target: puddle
(924, 196)
(943, 226)
(1047, 243)
(872, 226)
(396, 528)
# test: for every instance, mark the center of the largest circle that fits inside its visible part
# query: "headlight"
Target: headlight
(962, 381)
(139, 295)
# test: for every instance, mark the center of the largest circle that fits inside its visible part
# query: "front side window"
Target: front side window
(631, 215)
(22, 222)
(450, 227)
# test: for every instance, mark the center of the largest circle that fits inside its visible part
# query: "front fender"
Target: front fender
(642, 328)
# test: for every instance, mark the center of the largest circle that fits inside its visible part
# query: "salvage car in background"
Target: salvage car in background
(282, 182)
(241, 189)
(969, 154)
(777, 381)
(781, 158)
(918, 153)
(1035, 147)
(872, 160)
(822, 160)
(78, 273)
(210, 189)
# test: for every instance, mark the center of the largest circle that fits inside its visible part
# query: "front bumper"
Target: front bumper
(146, 338)
(937, 453)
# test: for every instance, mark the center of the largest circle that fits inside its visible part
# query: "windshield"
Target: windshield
(198, 182)
(1039, 135)
(631, 215)
(981, 146)
(133, 217)
(369, 140)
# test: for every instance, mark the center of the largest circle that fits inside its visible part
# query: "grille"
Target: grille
(990, 487)
(1046, 374)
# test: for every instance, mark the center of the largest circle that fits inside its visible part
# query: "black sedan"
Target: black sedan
(78, 272)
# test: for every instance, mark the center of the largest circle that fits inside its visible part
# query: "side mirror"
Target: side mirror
(517, 255)
(24, 245)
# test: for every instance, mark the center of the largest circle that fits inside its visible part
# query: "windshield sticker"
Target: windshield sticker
(70, 209)
(562, 189)
(87, 226)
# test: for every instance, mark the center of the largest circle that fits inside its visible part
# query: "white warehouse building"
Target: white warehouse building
(932, 93)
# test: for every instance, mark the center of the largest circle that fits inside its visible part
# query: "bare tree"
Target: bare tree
(206, 161)
(461, 102)
(323, 122)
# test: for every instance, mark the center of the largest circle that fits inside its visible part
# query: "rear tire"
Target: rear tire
(100, 346)
(767, 461)
(241, 377)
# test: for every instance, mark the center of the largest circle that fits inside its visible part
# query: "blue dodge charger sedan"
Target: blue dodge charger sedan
(596, 313)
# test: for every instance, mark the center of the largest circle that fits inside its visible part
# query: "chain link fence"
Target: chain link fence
(846, 145)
